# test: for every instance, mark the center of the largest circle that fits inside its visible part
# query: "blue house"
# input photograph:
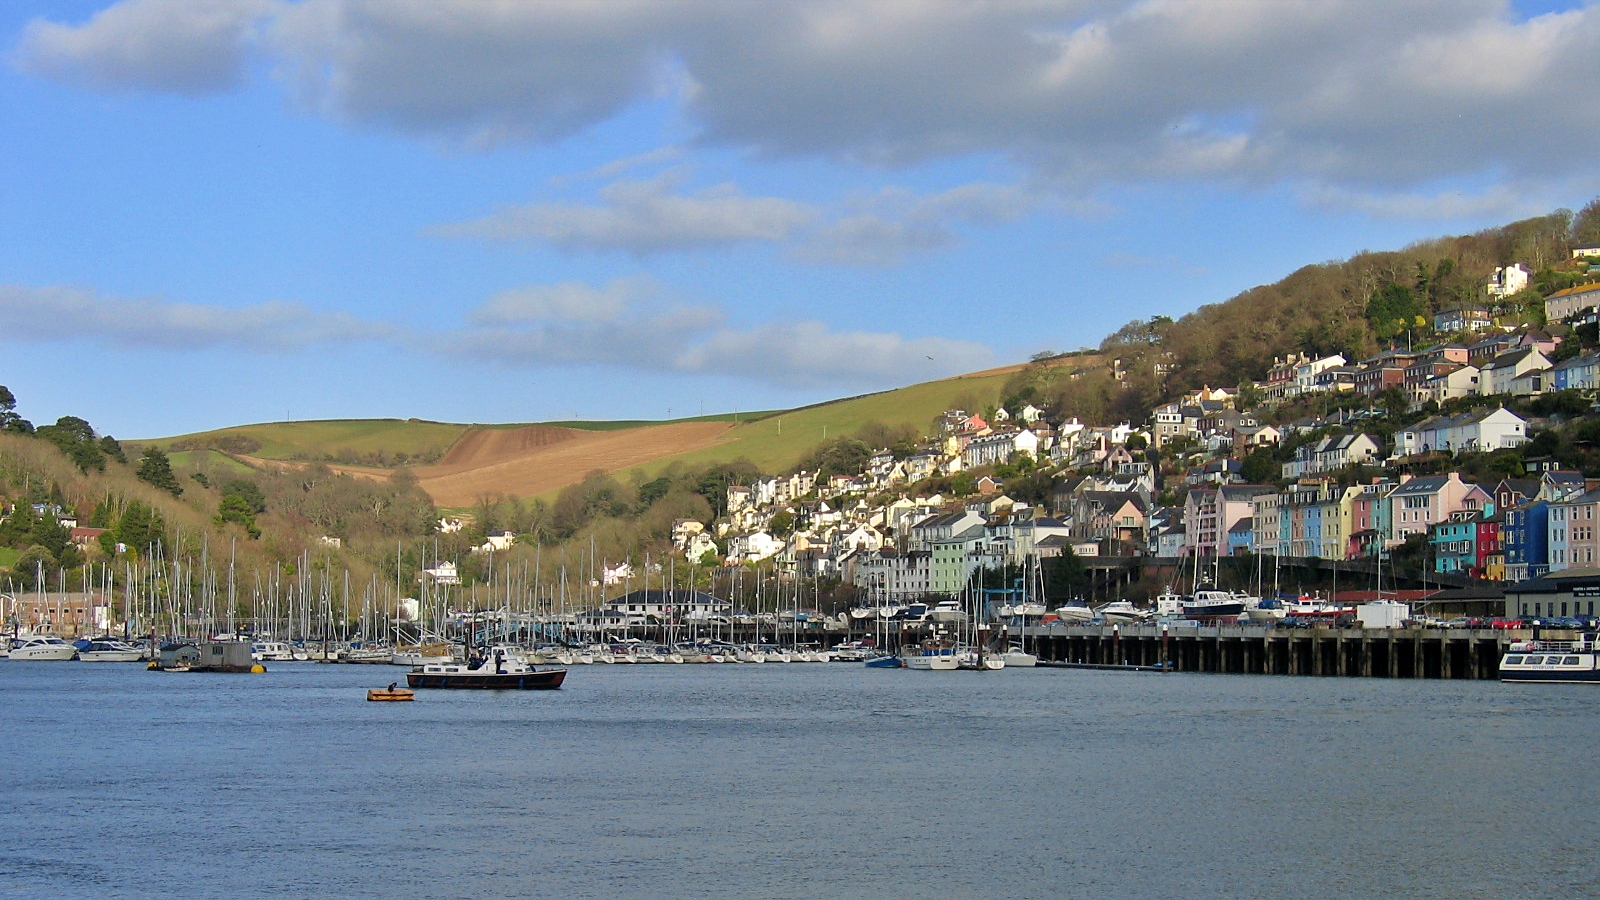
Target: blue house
(1524, 538)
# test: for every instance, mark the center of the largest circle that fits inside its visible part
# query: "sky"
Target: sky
(220, 212)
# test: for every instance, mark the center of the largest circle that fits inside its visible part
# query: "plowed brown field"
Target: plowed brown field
(524, 462)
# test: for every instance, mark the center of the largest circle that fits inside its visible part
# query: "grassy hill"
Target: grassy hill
(773, 440)
(777, 441)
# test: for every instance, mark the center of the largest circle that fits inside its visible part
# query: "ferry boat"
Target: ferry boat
(1567, 662)
(502, 671)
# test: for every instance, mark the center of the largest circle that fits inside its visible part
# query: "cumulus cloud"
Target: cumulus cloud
(1357, 95)
(642, 217)
(69, 313)
(182, 46)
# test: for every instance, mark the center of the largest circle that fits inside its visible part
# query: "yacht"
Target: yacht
(1123, 612)
(948, 611)
(42, 646)
(1073, 614)
(1211, 605)
(109, 650)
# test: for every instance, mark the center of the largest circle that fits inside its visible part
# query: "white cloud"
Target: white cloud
(182, 46)
(572, 301)
(642, 217)
(640, 335)
(68, 313)
(619, 326)
(1355, 95)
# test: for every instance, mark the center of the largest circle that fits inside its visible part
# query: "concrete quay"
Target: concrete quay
(1442, 653)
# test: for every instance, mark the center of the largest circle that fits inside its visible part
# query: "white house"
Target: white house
(1479, 431)
(1507, 280)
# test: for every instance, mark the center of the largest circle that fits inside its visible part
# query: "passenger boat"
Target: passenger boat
(109, 650)
(1568, 662)
(42, 647)
(500, 671)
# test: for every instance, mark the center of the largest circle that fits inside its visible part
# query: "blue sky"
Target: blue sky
(215, 212)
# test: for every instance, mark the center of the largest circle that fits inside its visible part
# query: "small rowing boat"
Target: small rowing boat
(391, 693)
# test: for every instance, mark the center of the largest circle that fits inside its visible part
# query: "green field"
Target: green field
(774, 441)
(777, 441)
(215, 462)
(331, 439)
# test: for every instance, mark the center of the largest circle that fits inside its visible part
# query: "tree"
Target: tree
(9, 420)
(156, 470)
(1586, 225)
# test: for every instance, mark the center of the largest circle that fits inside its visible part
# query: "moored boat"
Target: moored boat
(499, 671)
(929, 658)
(109, 650)
(42, 647)
(1563, 662)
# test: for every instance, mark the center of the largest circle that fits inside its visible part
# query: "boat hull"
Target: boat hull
(544, 680)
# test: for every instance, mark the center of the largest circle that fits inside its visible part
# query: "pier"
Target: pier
(1439, 653)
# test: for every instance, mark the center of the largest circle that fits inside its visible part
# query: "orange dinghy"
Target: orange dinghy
(392, 692)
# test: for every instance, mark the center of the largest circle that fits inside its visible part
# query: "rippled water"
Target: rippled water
(793, 780)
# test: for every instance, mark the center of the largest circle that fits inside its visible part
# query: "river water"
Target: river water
(792, 781)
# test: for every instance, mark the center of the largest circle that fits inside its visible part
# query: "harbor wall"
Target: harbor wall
(1439, 653)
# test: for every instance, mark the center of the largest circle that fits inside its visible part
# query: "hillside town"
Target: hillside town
(1187, 487)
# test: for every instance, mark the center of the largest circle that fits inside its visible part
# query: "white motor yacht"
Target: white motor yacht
(109, 650)
(42, 646)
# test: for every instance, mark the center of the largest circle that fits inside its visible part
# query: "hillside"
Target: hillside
(459, 464)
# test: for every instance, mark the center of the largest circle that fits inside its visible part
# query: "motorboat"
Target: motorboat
(271, 651)
(109, 650)
(1017, 658)
(1563, 662)
(948, 611)
(41, 647)
(498, 671)
(1211, 605)
(1123, 612)
(1073, 614)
